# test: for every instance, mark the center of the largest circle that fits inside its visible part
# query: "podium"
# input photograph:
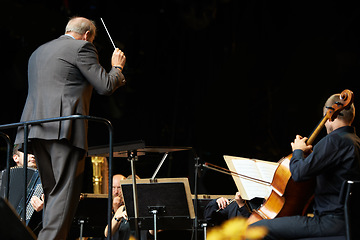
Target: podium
(162, 203)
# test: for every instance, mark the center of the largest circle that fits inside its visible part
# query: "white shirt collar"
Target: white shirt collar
(70, 36)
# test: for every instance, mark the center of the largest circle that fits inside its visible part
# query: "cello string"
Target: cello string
(107, 32)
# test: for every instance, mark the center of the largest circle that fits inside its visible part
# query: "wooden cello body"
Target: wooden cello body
(289, 198)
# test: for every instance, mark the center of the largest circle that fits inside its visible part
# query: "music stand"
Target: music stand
(131, 150)
(162, 203)
(90, 216)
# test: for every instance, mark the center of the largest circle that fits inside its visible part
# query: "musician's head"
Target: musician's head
(116, 186)
(345, 117)
(130, 177)
(18, 157)
(81, 29)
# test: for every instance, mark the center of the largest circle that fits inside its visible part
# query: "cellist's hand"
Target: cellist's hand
(300, 143)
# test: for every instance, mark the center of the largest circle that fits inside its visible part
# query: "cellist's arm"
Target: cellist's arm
(297, 164)
(319, 160)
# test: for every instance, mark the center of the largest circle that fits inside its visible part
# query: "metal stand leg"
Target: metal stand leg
(81, 229)
(154, 212)
(132, 157)
(204, 226)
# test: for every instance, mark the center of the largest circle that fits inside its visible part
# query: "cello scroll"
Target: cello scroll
(346, 99)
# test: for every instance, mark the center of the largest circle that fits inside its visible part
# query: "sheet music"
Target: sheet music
(258, 169)
(267, 169)
(253, 189)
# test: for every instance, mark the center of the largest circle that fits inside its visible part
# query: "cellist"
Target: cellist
(333, 160)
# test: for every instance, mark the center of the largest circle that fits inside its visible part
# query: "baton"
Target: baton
(108, 32)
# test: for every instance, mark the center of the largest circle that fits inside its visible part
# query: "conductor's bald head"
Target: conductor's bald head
(81, 29)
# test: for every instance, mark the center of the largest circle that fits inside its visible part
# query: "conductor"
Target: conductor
(61, 76)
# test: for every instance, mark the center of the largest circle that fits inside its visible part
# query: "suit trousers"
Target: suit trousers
(61, 169)
(296, 227)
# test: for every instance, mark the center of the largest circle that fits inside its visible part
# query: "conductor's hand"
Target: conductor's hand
(300, 144)
(118, 59)
(222, 202)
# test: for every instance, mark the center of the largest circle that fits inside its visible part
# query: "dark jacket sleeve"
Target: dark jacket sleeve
(245, 211)
(212, 216)
(88, 63)
(321, 159)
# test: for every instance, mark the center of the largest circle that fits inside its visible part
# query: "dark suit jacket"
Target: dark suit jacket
(62, 74)
(217, 218)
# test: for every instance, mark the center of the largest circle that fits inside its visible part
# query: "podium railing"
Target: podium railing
(57, 119)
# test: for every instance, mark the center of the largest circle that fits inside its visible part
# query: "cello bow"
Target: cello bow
(229, 172)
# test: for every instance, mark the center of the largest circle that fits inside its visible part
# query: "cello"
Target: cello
(289, 198)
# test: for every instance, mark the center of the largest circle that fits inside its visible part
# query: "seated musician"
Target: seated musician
(36, 202)
(120, 228)
(334, 159)
(222, 209)
(219, 210)
(18, 157)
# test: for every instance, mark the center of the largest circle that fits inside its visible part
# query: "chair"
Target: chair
(350, 196)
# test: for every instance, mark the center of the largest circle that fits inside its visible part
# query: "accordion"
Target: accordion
(16, 189)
